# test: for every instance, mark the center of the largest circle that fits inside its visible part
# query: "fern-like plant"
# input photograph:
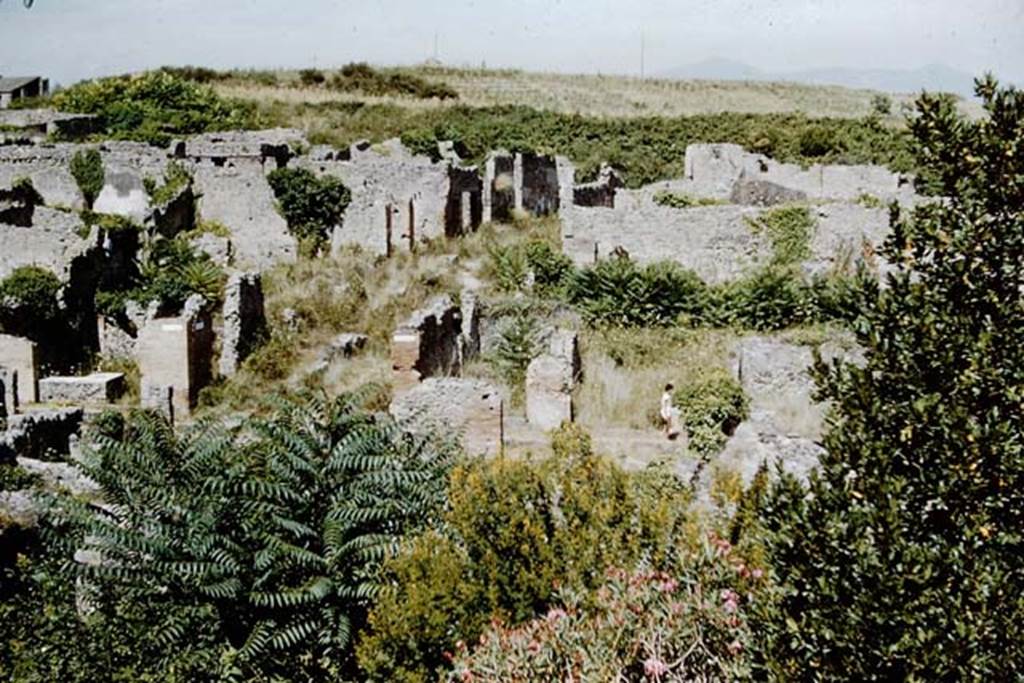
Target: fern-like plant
(273, 529)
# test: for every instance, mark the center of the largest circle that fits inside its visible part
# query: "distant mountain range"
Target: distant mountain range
(935, 77)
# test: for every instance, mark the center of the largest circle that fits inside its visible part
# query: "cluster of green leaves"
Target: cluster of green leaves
(154, 107)
(176, 178)
(87, 170)
(312, 206)
(170, 271)
(13, 477)
(533, 265)
(30, 303)
(363, 78)
(514, 531)
(680, 200)
(903, 559)
(237, 554)
(711, 405)
(789, 229)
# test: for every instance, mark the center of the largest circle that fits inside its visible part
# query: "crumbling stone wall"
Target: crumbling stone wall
(47, 167)
(8, 397)
(536, 184)
(245, 321)
(230, 174)
(601, 192)
(176, 353)
(498, 196)
(48, 122)
(551, 379)
(464, 209)
(427, 344)
(472, 408)
(93, 389)
(40, 434)
(21, 356)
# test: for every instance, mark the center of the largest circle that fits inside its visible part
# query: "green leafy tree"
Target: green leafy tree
(312, 206)
(269, 535)
(87, 170)
(904, 557)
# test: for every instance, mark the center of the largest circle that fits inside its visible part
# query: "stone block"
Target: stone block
(177, 353)
(22, 356)
(159, 398)
(550, 380)
(99, 387)
(245, 321)
(471, 407)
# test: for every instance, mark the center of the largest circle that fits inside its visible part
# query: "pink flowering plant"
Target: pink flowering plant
(641, 625)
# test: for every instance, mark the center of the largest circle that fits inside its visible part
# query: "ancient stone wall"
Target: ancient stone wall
(40, 434)
(499, 197)
(427, 344)
(551, 378)
(8, 397)
(245, 321)
(176, 354)
(473, 408)
(97, 388)
(21, 356)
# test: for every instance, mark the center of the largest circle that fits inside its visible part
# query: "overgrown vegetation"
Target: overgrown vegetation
(30, 303)
(789, 229)
(711, 404)
(679, 200)
(154, 107)
(363, 78)
(87, 170)
(903, 558)
(312, 206)
(175, 178)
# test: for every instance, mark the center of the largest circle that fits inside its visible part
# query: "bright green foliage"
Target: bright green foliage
(170, 272)
(87, 170)
(515, 531)
(711, 406)
(312, 206)
(267, 536)
(690, 624)
(154, 106)
(644, 149)
(619, 292)
(533, 265)
(30, 303)
(361, 77)
(678, 200)
(176, 178)
(789, 230)
(518, 343)
(904, 559)
(770, 299)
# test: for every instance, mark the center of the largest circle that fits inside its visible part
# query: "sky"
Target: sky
(68, 40)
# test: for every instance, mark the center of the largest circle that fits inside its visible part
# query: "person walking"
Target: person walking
(669, 414)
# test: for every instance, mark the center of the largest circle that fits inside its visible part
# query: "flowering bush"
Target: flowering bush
(690, 624)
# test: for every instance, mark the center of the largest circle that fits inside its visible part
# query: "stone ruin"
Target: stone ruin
(551, 378)
(536, 184)
(245, 321)
(715, 239)
(174, 360)
(20, 358)
(427, 344)
(472, 407)
(95, 389)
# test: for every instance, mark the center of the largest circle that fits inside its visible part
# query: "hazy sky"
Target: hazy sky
(73, 39)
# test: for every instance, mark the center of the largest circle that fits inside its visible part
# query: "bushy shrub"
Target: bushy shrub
(818, 141)
(311, 77)
(175, 178)
(32, 291)
(711, 406)
(199, 74)
(312, 206)
(87, 170)
(685, 625)
(534, 265)
(361, 77)
(154, 107)
(617, 291)
(770, 299)
(514, 532)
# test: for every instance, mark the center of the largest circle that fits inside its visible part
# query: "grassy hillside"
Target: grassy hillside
(590, 95)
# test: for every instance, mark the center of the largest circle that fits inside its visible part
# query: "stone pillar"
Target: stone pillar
(245, 321)
(517, 182)
(566, 182)
(466, 203)
(550, 381)
(176, 353)
(22, 356)
(8, 399)
(486, 196)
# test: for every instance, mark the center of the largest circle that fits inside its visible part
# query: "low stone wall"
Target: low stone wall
(471, 407)
(245, 321)
(427, 344)
(551, 378)
(40, 434)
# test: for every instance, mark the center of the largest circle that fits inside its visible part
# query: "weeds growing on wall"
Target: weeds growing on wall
(176, 177)
(87, 170)
(789, 229)
(680, 200)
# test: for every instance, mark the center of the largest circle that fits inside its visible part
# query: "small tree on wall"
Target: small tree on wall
(312, 206)
(87, 170)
